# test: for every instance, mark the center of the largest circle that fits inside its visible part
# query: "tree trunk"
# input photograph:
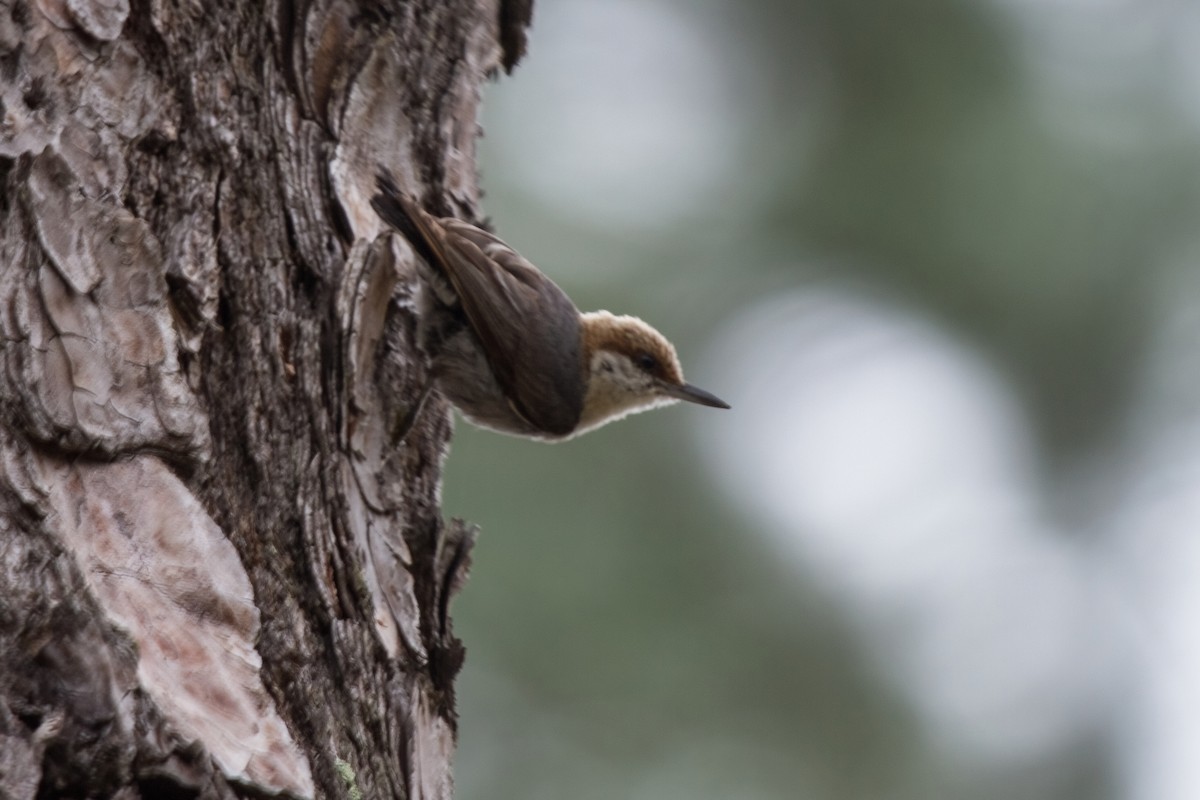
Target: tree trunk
(223, 573)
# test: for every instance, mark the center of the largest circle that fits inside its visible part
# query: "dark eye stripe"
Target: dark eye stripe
(646, 362)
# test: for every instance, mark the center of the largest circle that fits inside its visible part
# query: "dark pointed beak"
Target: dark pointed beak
(694, 394)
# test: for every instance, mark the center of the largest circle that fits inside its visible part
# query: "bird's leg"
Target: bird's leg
(404, 424)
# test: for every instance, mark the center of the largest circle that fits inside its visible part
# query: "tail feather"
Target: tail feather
(400, 212)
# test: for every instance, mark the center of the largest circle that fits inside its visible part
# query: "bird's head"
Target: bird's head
(630, 368)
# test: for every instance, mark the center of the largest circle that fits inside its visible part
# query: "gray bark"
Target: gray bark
(218, 575)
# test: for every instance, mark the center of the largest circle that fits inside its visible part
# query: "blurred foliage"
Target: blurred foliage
(631, 636)
(943, 177)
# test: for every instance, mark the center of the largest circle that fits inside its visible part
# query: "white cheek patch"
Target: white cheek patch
(606, 364)
(616, 389)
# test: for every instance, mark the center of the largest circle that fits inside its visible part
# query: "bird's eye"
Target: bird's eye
(646, 362)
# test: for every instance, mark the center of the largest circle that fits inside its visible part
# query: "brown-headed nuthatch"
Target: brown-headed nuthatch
(509, 348)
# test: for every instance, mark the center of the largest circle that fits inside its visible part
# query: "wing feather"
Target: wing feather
(527, 326)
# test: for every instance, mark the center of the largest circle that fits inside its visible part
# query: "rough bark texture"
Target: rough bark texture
(218, 576)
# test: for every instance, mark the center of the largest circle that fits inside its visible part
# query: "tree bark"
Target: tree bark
(221, 573)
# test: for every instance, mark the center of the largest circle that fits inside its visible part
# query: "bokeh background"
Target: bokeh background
(941, 257)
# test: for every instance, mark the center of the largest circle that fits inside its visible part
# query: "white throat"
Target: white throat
(616, 389)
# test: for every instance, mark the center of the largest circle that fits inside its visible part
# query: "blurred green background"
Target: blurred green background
(940, 256)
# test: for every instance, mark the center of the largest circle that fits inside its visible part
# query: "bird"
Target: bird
(510, 350)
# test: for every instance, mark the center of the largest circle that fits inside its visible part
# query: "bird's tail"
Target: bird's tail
(403, 214)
